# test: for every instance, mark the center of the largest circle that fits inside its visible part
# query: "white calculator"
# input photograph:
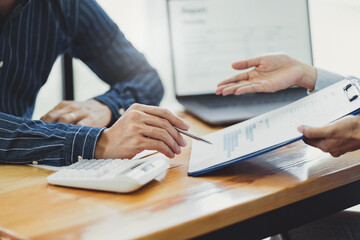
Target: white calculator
(115, 175)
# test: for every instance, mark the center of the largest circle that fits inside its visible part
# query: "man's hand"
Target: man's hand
(90, 113)
(272, 73)
(337, 138)
(141, 128)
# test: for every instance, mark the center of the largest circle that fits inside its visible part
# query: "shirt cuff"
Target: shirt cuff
(81, 143)
(118, 103)
(115, 108)
(325, 79)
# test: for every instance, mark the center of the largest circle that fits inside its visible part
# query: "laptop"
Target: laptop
(207, 36)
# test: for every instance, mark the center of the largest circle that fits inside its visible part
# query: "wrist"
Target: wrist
(309, 77)
(102, 105)
(102, 143)
(103, 109)
(113, 106)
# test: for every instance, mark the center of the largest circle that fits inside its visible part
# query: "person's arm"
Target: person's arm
(141, 128)
(24, 141)
(274, 72)
(99, 43)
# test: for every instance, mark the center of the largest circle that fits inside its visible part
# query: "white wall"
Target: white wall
(335, 30)
(51, 93)
(336, 35)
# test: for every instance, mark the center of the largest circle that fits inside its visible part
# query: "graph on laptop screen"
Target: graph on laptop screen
(207, 36)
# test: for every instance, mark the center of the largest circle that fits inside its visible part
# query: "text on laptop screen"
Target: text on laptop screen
(207, 36)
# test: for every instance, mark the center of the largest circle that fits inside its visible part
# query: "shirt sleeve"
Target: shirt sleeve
(100, 44)
(24, 141)
(326, 78)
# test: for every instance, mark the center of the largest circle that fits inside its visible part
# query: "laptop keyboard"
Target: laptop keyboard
(250, 99)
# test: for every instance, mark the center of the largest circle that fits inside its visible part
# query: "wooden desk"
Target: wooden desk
(179, 206)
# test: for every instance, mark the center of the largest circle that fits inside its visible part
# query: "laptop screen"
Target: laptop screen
(207, 36)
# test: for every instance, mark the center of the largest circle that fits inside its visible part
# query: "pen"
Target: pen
(192, 135)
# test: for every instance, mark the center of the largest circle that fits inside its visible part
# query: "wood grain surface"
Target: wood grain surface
(175, 207)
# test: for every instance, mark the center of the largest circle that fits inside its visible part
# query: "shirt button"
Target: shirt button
(121, 111)
(1, 64)
(35, 162)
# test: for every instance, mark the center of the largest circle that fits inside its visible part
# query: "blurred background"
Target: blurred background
(335, 26)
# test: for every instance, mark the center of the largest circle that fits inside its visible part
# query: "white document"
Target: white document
(273, 129)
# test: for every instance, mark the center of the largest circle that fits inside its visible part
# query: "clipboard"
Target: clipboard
(274, 129)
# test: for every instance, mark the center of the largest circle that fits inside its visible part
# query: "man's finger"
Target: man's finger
(321, 132)
(228, 91)
(80, 115)
(240, 77)
(161, 135)
(163, 113)
(83, 122)
(83, 118)
(70, 118)
(252, 88)
(246, 64)
(243, 88)
(231, 88)
(54, 115)
(313, 142)
(220, 89)
(153, 144)
(165, 124)
(73, 117)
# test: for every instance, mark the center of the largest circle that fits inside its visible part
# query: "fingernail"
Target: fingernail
(186, 124)
(178, 150)
(183, 143)
(301, 129)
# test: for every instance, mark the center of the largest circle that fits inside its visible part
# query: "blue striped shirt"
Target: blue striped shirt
(34, 34)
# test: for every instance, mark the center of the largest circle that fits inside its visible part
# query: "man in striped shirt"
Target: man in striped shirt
(33, 34)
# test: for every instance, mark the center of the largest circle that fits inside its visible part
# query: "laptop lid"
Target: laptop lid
(207, 36)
